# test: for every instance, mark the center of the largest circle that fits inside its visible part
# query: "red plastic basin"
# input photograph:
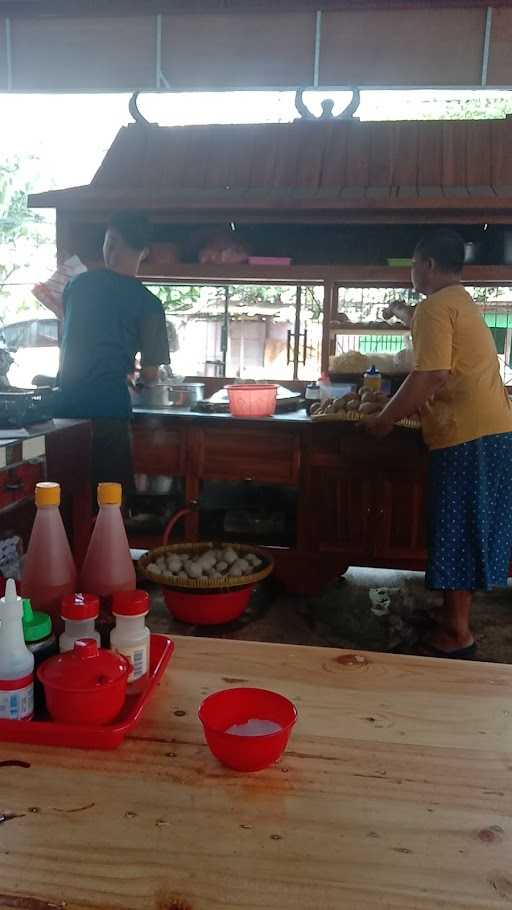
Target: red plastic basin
(221, 710)
(205, 609)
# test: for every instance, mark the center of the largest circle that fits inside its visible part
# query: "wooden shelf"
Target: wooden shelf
(372, 328)
(349, 275)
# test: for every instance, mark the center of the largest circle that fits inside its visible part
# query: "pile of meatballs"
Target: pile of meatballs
(216, 564)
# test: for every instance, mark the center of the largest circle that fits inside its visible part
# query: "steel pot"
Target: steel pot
(187, 393)
(156, 396)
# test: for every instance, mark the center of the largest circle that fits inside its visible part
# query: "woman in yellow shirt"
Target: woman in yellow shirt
(467, 423)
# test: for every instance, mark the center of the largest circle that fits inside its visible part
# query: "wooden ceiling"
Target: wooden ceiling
(15, 8)
(158, 45)
(304, 168)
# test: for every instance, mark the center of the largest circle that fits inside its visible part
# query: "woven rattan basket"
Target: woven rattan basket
(356, 417)
(183, 583)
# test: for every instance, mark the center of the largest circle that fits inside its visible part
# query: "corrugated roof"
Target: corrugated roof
(323, 165)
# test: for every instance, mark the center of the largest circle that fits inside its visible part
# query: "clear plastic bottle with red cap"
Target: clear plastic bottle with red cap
(131, 636)
(79, 612)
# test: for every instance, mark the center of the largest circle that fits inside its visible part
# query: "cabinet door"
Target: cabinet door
(157, 449)
(400, 521)
(340, 508)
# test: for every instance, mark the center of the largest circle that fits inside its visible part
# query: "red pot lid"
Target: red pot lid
(80, 606)
(130, 603)
(84, 669)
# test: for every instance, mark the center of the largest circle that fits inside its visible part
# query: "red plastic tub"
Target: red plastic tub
(252, 399)
(221, 710)
(205, 609)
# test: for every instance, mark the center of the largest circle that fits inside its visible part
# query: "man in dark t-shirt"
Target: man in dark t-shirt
(109, 317)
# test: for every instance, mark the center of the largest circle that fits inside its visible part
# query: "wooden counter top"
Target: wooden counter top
(394, 795)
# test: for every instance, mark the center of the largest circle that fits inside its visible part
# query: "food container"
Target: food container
(184, 394)
(236, 707)
(86, 685)
(336, 389)
(160, 485)
(142, 482)
(252, 399)
(155, 396)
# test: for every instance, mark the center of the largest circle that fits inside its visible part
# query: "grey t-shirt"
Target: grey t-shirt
(109, 318)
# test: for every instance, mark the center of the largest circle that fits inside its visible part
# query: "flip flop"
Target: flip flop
(467, 653)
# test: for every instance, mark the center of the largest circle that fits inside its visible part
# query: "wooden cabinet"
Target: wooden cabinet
(359, 501)
(157, 449)
(400, 520)
(342, 503)
(233, 453)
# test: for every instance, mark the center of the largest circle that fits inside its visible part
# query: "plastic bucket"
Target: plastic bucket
(204, 609)
(252, 399)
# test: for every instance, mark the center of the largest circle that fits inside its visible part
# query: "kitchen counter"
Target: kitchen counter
(21, 447)
(56, 450)
(348, 499)
(288, 417)
(394, 792)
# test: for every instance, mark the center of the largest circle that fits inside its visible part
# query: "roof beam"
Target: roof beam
(30, 8)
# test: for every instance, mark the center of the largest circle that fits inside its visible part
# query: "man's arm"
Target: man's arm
(154, 345)
(401, 311)
(413, 394)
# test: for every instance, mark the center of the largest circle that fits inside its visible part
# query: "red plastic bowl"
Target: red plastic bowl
(204, 609)
(221, 710)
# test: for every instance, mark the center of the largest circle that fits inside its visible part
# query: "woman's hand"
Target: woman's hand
(378, 425)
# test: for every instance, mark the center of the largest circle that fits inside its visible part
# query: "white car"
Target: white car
(34, 344)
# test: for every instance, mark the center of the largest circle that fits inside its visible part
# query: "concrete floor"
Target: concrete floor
(371, 609)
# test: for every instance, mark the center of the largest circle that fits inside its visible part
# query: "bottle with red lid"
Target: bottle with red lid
(131, 636)
(79, 612)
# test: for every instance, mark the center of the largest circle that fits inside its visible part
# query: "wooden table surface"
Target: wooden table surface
(395, 792)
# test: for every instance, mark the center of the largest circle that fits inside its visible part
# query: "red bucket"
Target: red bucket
(205, 609)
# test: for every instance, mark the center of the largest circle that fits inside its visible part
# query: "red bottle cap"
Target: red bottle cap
(86, 668)
(130, 603)
(80, 606)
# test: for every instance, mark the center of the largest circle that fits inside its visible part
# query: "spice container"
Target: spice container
(79, 613)
(372, 380)
(16, 660)
(40, 640)
(86, 685)
(130, 637)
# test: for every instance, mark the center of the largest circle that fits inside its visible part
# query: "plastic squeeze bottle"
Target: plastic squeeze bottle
(108, 565)
(49, 572)
(39, 638)
(16, 660)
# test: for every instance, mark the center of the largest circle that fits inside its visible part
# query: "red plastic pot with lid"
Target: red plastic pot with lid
(86, 685)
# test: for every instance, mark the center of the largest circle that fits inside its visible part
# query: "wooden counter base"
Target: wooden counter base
(359, 501)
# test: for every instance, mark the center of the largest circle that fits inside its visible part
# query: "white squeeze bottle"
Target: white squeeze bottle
(16, 660)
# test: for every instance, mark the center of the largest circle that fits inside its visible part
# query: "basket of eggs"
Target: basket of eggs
(205, 583)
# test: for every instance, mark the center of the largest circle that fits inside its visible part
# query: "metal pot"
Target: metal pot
(156, 396)
(184, 394)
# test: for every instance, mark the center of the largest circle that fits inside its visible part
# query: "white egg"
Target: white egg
(222, 566)
(229, 556)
